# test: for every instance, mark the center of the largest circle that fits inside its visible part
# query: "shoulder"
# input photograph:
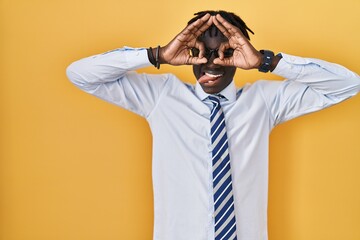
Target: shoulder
(169, 82)
(263, 85)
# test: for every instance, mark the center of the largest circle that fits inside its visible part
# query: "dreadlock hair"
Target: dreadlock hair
(228, 16)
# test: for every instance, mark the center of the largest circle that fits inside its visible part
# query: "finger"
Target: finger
(204, 26)
(199, 26)
(231, 29)
(200, 45)
(196, 61)
(224, 62)
(222, 48)
(220, 26)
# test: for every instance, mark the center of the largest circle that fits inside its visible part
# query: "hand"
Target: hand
(177, 52)
(245, 56)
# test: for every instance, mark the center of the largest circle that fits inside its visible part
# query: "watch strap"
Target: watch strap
(266, 61)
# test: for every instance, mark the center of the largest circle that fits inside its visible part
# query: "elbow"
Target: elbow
(74, 75)
(70, 73)
(356, 82)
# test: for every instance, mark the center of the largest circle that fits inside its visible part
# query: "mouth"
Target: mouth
(212, 75)
(209, 77)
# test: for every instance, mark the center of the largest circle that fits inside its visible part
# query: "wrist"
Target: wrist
(266, 61)
(259, 61)
(269, 61)
(151, 54)
(275, 61)
(155, 56)
(161, 56)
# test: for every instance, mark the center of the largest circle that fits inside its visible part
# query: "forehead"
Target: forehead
(212, 38)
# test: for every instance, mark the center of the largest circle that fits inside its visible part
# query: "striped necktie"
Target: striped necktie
(225, 227)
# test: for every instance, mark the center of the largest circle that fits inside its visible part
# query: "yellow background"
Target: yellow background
(76, 168)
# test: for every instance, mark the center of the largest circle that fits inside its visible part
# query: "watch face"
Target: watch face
(266, 61)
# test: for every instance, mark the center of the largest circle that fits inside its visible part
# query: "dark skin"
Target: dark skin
(213, 77)
(214, 73)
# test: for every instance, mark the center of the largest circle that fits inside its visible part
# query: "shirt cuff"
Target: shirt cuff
(290, 66)
(136, 57)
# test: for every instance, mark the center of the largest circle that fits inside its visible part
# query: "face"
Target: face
(214, 77)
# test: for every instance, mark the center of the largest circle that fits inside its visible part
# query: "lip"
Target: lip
(213, 75)
(211, 83)
(212, 72)
(211, 79)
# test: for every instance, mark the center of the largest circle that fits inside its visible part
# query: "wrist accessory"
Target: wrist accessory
(266, 61)
(157, 57)
(154, 60)
(151, 56)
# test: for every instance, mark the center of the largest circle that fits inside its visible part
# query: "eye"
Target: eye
(208, 52)
(195, 52)
(228, 52)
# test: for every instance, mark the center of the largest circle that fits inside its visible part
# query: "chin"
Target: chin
(211, 90)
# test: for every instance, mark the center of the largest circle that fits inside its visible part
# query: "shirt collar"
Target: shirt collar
(229, 92)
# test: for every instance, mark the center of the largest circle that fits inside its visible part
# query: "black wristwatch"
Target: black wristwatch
(266, 61)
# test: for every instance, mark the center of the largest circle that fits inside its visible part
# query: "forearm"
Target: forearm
(110, 76)
(151, 52)
(275, 62)
(324, 77)
(106, 67)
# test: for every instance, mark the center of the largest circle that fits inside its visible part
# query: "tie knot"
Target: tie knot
(215, 99)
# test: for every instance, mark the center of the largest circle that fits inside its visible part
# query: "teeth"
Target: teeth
(213, 75)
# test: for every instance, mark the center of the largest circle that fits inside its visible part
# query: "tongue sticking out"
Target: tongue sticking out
(205, 78)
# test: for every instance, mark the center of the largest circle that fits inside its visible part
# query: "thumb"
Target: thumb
(196, 60)
(223, 62)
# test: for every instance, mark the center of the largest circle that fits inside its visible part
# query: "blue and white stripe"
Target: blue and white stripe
(225, 223)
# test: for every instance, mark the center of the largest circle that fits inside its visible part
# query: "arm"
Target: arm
(110, 76)
(177, 52)
(311, 84)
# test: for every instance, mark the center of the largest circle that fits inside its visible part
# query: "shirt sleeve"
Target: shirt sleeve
(111, 76)
(310, 85)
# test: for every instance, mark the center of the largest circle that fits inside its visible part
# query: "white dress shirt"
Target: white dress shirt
(178, 115)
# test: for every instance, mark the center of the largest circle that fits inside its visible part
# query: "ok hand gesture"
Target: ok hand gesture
(177, 52)
(245, 56)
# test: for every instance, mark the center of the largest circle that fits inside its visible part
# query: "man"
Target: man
(210, 141)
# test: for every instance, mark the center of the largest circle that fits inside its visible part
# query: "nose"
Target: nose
(211, 52)
(210, 57)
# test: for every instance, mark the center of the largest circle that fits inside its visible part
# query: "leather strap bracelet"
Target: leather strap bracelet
(151, 56)
(157, 57)
(154, 60)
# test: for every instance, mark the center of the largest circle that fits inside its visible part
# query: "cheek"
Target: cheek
(231, 72)
(196, 70)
